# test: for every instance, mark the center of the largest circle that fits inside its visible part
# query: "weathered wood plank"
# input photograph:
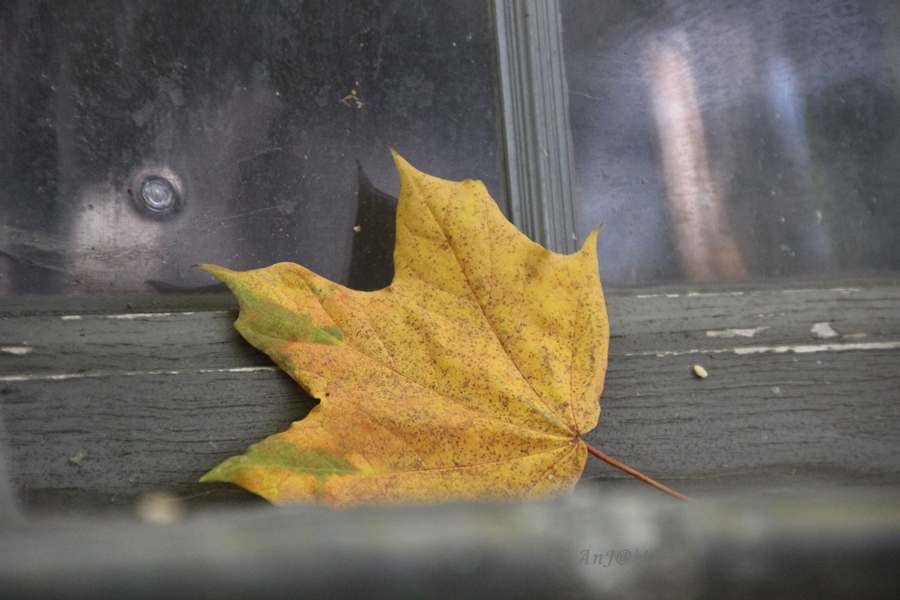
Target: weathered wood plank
(139, 433)
(102, 408)
(670, 321)
(588, 545)
(773, 418)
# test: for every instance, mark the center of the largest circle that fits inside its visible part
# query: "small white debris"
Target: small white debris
(550, 476)
(357, 228)
(824, 330)
(76, 460)
(700, 372)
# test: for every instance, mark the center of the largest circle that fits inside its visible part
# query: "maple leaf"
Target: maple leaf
(472, 376)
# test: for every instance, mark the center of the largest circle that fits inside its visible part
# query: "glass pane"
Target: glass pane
(722, 141)
(141, 137)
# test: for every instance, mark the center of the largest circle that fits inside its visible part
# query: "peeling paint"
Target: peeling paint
(797, 349)
(706, 294)
(824, 330)
(17, 350)
(808, 348)
(842, 291)
(239, 370)
(812, 290)
(98, 374)
(730, 333)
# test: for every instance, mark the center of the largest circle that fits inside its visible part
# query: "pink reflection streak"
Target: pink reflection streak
(706, 249)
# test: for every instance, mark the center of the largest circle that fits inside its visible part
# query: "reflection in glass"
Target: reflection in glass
(706, 248)
(725, 141)
(140, 138)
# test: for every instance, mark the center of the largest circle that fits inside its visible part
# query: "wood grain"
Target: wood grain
(102, 406)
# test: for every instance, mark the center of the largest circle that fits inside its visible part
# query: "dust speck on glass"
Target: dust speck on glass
(729, 141)
(140, 137)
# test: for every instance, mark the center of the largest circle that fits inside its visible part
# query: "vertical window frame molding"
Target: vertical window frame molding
(535, 111)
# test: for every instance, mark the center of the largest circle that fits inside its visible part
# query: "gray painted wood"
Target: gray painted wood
(782, 406)
(588, 545)
(103, 408)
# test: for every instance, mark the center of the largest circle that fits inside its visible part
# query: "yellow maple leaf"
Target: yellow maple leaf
(472, 376)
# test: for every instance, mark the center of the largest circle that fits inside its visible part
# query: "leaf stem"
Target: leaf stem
(633, 473)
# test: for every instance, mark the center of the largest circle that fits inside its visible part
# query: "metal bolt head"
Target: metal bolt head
(157, 194)
(157, 198)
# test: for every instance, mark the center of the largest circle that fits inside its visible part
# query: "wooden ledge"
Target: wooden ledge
(103, 404)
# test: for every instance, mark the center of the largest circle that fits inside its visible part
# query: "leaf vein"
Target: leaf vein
(489, 322)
